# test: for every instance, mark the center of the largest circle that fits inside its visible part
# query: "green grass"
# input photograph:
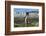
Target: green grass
(33, 24)
(27, 25)
(19, 25)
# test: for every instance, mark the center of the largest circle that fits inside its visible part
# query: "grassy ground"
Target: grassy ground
(19, 25)
(22, 23)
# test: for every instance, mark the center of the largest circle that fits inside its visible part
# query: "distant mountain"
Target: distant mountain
(31, 15)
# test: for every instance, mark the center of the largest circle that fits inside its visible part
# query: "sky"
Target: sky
(24, 10)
